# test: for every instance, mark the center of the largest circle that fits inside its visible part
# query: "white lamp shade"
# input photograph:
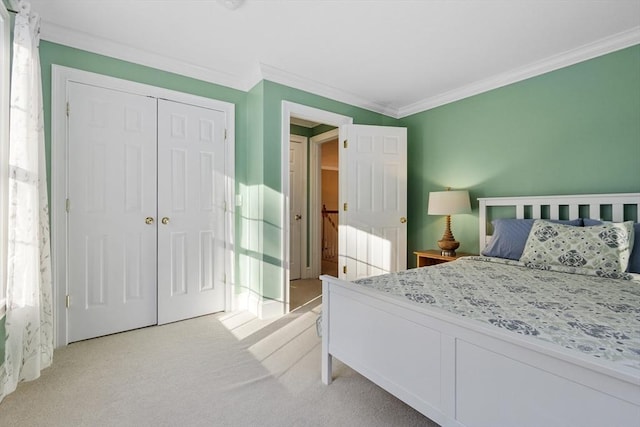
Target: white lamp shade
(449, 202)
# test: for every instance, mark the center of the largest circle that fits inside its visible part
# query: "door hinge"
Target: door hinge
(225, 205)
(68, 108)
(224, 278)
(67, 205)
(225, 134)
(344, 269)
(67, 301)
(344, 207)
(346, 143)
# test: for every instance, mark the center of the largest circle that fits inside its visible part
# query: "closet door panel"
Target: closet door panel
(191, 211)
(111, 191)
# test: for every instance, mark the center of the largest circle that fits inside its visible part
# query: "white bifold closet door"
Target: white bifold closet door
(190, 211)
(132, 162)
(112, 189)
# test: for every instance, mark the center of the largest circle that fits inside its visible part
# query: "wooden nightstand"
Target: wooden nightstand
(433, 257)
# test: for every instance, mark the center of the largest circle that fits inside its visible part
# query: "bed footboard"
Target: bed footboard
(461, 376)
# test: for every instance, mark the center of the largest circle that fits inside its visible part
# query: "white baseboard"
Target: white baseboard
(240, 301)
(256, 305)
(270, 308)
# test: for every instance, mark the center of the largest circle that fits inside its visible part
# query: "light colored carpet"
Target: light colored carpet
(228, 369)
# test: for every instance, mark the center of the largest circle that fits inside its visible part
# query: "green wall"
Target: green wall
(258, 147)
(575, 130)
(300, 130)
(249, 246)
(570, 131)
(321, 128)
(269, 230)
(52, 53)
(309, 132)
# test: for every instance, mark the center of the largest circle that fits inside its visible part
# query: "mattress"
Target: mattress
(596, 316)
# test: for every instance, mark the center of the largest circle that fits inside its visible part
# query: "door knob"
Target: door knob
(165, 220)
(403, 220)
(148, 220)
(298, 217)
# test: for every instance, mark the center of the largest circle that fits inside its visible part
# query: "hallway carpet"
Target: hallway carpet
(302, 291)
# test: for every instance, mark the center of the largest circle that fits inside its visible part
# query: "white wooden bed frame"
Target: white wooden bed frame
(462, 373)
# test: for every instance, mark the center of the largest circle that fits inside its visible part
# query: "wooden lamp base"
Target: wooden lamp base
(448, 244)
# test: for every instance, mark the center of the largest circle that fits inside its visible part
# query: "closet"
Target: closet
(145, 210)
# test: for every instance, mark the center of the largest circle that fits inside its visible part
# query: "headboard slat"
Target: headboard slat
(574, 211)
(617, 214)
(536, 211)
(616, 202)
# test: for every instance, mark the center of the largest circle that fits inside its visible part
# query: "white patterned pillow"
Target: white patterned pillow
(601, 250)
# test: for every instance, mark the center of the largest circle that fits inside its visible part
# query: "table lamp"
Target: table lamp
(448, 203)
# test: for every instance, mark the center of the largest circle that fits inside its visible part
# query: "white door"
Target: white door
(111, 192)
(373, 195)
(191, 232)
(297, 204)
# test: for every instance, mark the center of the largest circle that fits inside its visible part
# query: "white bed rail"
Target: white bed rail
(573, 203)
(460, 373)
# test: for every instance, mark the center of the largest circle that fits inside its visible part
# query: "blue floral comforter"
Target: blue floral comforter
(594, 315)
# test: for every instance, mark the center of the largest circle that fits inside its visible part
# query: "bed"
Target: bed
(419, 341)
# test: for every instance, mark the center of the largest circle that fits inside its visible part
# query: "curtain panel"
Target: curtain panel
(29, 319)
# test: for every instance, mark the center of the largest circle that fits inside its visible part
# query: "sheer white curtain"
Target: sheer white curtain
(29, 320)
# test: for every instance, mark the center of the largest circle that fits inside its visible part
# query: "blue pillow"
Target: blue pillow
(510, 236)
(634, 258)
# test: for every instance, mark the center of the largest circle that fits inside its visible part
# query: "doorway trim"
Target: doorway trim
(315, 192)
(319, 116)
(59, 173)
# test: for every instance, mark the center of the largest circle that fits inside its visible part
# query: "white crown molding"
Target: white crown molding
(65, 36)
(302, 83)
(555, 62)
(61, 35)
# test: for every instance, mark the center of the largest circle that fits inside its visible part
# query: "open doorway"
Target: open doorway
(322, 167)
(320, 129)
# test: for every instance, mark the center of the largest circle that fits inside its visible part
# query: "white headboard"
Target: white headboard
(616, 202)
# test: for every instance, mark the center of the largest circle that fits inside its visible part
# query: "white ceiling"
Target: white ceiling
(394, 57)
